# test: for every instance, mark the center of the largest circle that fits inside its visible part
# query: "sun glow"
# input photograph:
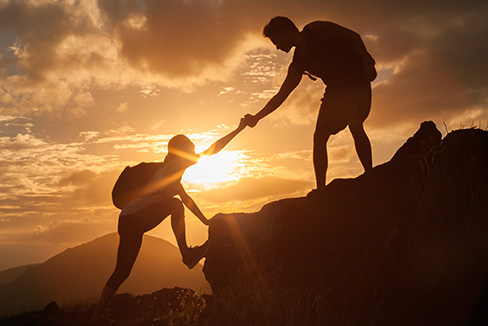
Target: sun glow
(221, 167)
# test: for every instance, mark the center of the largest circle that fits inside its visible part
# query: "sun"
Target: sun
(221, 167)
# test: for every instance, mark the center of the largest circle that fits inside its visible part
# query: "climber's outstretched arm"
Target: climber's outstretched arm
(222, 142)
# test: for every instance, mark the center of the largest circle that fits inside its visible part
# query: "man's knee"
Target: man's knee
(176, 206)
(357, 129)
(320, 137)
(118, 277)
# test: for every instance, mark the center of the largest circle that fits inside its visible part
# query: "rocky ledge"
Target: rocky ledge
(404, 244)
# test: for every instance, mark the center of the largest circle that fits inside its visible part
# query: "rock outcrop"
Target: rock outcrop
(404, 244)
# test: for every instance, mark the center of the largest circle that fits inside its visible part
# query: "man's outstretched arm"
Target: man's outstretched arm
(222, 142)
(293, 78)
(192, 206)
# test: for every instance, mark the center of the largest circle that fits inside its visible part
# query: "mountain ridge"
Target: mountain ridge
(10, 274)
(78, 274)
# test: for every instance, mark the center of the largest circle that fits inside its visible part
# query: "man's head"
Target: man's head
(182, 147)
(279, 31)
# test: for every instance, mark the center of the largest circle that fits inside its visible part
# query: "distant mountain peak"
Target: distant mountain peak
(79, 274)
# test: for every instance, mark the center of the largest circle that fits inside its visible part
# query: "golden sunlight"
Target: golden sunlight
(221, 167)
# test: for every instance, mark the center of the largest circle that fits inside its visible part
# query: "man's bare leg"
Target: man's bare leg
(320, 160)
(126, 256)
(107, 295)
(363, 145)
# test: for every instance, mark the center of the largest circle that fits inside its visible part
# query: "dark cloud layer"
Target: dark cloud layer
(40, 30)
(440, 70)
(176, 38)
(91, 188)
(436, 49)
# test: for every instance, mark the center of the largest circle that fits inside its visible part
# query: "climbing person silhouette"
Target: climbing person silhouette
(338, 56)
(156, 202)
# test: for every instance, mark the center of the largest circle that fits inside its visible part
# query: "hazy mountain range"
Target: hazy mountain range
(78, 274)
(8, 275)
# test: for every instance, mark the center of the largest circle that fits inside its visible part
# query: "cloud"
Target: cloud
(78, 178)
(247, 189)
(61, 49)
(94, 188)
(422, 89)
(38, 42)
(67, 232)
(302, 107)
(438, 68)
(39, 172)
(196, 40)
(35, 172)
(123, 107)
(341, 154)
(226, 90)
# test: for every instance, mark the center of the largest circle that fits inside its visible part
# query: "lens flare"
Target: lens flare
(221, 167)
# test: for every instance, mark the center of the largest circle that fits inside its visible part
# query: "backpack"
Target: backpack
(131, 182)
(339, 62)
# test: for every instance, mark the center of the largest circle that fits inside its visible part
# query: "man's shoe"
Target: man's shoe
(195, 254)
(315, 193)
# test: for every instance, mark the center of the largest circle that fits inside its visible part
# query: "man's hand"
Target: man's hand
(251, 120)
(242, 124)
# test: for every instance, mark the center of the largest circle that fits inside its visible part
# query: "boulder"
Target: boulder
(403, 244)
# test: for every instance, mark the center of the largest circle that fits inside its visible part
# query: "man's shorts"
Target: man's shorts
(145, 219)
(343, 105)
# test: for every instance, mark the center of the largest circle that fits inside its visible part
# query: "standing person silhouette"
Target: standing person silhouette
(338, 56)
(156, 202)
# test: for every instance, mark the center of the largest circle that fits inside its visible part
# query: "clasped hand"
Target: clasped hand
(250, 120)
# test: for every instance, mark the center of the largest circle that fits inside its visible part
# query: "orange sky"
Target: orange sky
(88, 87)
